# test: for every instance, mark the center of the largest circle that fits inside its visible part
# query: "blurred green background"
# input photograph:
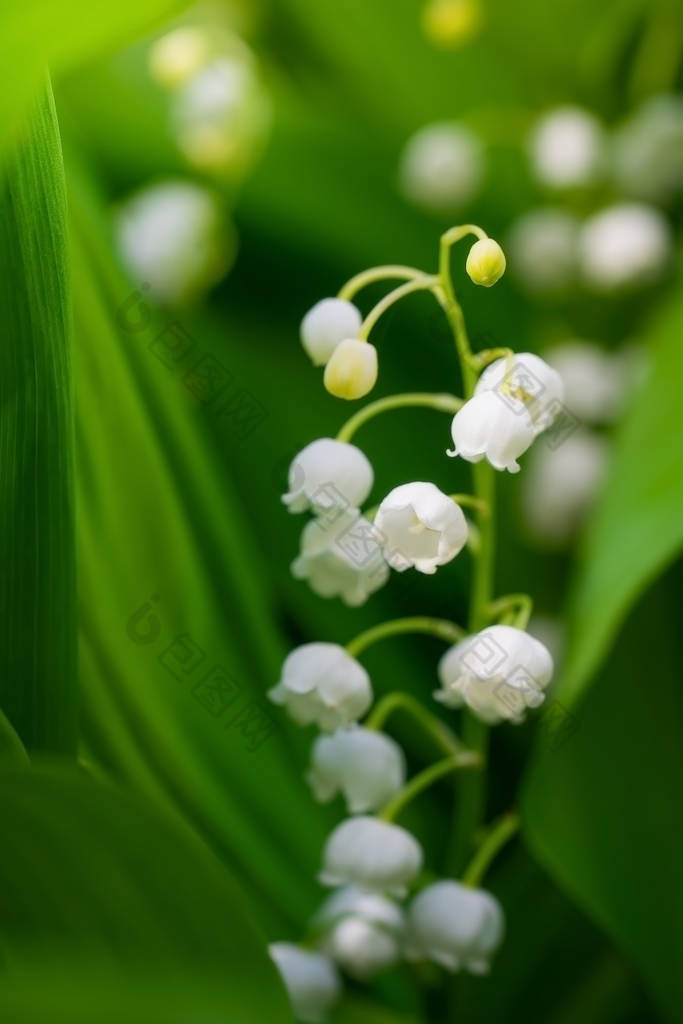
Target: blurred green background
(155, 842)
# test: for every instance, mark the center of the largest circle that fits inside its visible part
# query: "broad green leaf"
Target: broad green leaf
(602, 810)
(37, 590)
(85, 869)
(638, 526)
(11, 748)
(62, 34)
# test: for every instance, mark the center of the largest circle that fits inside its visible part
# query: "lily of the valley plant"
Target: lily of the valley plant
(380, 910)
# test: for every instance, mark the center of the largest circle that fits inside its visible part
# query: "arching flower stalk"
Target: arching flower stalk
(493, 669)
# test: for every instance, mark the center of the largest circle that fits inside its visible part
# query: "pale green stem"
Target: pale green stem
(426, 778)
(489, 355)
(442, 403)
(469, 501)
(497, 836)
(444, 629)
(418, 284)
(523, 604)
(443, 736)
(367, 277)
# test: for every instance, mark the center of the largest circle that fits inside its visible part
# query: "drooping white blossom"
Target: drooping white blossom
(340, 556)
(594, 379)
(498, 673)
(624, 246)
(455, 926)
(174, 240)
(496, 427)
(373, 854)
(311, 980)
(561, 484)
(543, 249)
(327, 324)
(420, 526)
(322, 683)
(327, 475)
(567, 148)
(366, 766)
(363, 931)
(441, 167)
(529, 379)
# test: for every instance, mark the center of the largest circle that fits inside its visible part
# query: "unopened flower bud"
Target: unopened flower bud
(352, 369)
(485, 262)
(325, 325)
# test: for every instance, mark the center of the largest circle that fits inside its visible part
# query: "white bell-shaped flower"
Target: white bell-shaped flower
(366, 766)
(441, 167)
(623, 246)
(420, 526)
(498, 673)
(363, 930)
(492, 426)
(648, 150)
(543, 249)
(311, 980)
(328, 474)
(322, 683)
(327, 324)
(340, 556)
(530, 380)
(568, 148)
(455, 926)
(372, 854)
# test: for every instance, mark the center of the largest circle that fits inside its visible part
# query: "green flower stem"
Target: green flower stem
(472, 791)
(426, 778)
(489, 355)
(496, 837)
(519, 606)
(442, 403)
(443, 736)
(444, 629)
(417, 284)
(469, 501)
(362, 280)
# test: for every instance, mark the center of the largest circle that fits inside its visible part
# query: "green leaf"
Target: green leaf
(37, 33)
(11, 747)
(638, 526)
(37, 592)
(602, 810)
(90, 871)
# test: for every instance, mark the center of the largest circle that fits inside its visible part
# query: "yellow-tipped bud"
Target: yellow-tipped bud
(352, 369)
(451, 23)
(485, 262)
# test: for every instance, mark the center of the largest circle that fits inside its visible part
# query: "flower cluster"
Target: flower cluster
(380, 910)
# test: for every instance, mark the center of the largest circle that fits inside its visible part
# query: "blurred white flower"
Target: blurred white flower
(441, 167)
(420, 526)
(592, 377)
(327, 324)
(220, 115)
(492, 426)
(648, 150)
(322, 683)
(326, 475)
(543, 249)
(311, 980)
(529, 379)
(364, 930)
(623, 246)
(455, 926)
(366, 766)
(372, 854)
(174, 239)
(567, 148)
(498, 673)
(340, 556)
(561, 484)
(178, 55)
(351, 371)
